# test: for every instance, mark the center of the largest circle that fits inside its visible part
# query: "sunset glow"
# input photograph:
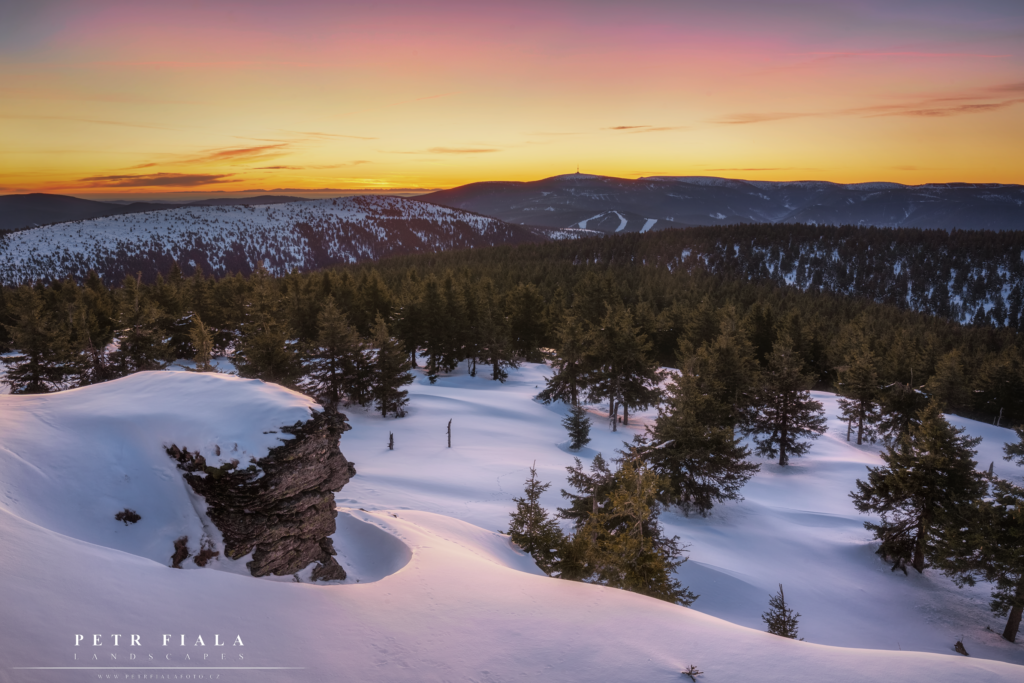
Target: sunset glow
(115, 99)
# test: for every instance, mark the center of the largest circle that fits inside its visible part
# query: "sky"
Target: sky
(136, 99)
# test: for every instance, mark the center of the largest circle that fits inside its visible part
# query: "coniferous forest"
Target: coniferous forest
(722, 354)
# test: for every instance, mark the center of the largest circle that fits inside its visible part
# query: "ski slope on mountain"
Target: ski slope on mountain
(434, 592)
(300, 235)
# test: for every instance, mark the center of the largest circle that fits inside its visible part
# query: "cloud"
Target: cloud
(754, 169)
(157, 180)
(974, 101)
(952, 110)
(645, 129)
(244, 153)
(278, 168)
(741, 119)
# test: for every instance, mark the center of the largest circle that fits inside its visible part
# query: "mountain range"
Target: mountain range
(608, 205)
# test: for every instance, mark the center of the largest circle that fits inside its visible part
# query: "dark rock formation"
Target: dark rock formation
(280, 508)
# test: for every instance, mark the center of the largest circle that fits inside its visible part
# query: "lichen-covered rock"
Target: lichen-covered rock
(280, 508)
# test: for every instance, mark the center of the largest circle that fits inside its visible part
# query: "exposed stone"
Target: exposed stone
(180, 552)
(280, 508)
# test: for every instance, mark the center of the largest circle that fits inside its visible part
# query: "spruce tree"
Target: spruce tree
(570, 365)
(695, 444)
(44, 361)
(141, 343)
(331, 362)
(785, 413)
(948, 385)
(532, 529)
(390, 372)
(202, 342)
(780, 618)
(929, 475)
(1015, 451)
(495, 344)
(858, 387)
(986, 540)
(577, 423)
(591, 490)
(623, 540)
(624, 375)
(263, 349)
(901, 405)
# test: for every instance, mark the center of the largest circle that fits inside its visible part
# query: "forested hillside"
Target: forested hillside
(969, 276)
(498, 306)
(302, 235)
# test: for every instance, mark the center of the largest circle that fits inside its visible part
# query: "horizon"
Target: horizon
(115, 99)
(185, 196)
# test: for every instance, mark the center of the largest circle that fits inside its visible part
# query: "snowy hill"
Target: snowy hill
(301, 235)
(681, 201)
(434, 593)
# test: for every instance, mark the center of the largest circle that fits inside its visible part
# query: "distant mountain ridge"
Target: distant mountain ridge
(21, 211)
(302, 235)
(610, 205)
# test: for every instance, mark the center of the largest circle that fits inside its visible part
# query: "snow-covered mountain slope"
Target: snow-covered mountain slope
(300, 235)
(679, 201)
(434, 593)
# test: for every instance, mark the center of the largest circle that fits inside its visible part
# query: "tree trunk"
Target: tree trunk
(849, 429)
(918, 560)
(1013, 623)
(625, 415)
(613, 413)
(860, 425)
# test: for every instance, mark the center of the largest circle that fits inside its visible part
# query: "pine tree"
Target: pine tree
(495, 345)
(622, 542)
(443, 310)
(141, 343)
(858, 386)
(263, 350)
(785, 411)
(949, 385)
(1015, 451)
(901, 405)
(332, 361)
(570, 365)
(202, 342)
(695, 444)
(524, 305)
(986, 540)
(928, 475)
(45, 361)
(623, 374)
(532, 530)
(780, 618)
(577, 423)
(390, 370)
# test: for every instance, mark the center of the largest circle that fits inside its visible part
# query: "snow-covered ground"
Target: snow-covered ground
(434, 591)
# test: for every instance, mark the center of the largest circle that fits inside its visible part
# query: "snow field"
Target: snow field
(435, 593)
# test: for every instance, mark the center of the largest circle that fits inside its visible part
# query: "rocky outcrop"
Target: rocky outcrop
(280, 508)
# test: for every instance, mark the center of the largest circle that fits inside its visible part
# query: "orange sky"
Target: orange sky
(115, 99)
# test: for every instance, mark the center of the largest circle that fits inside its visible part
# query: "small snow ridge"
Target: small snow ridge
(648, 224)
